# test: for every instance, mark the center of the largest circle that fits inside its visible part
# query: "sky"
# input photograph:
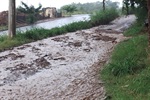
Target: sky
(46, 3)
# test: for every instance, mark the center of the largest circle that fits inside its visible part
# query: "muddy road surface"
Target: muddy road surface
(64, 67)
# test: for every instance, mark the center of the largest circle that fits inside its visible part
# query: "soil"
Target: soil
(64, 67)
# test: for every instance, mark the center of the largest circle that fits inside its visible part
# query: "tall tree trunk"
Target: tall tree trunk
(12, 18)
(127, 6)
(148, 6)
(104, 5)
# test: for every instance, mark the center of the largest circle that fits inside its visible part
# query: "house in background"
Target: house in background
(49, 12)
(45, 13)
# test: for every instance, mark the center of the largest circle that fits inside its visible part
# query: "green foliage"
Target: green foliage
(125, 7)
(2, 38)
(134, 30)
(141, 14)
(129, 12)
(140, 84)
(77, 26)
(31, 19)
(128, 57)
(38, 34)
(126, 76)
(94, 6)
(69, 8)
(140, 9)
(104, 17)
(57, 31)
(3, 27)
(31, 11)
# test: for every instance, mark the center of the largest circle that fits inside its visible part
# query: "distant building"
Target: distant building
(49, 12)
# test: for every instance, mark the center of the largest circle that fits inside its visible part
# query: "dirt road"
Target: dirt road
(64, 67)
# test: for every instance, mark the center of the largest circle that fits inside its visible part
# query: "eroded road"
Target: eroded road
(64, 67)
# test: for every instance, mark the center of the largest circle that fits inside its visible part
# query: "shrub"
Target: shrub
(3, 38)
(77, 26)
(104, 17)
(141, 14)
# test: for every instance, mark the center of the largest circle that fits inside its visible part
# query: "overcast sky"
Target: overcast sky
(46, 3)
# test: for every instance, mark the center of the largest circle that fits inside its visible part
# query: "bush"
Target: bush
(35, 34)
(77, 26)
(104, 17)
(141, 14)
(3, 38)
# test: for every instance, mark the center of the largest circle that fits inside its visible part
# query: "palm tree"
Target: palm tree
(12, 18)
(31, 11)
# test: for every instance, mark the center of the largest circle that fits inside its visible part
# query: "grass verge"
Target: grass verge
(38, 34)
(127, 75)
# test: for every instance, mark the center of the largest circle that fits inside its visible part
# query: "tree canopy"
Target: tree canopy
(94, 6)
(31, 11)
(69, 8)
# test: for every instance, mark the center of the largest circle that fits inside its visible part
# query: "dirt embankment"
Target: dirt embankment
(64, 67)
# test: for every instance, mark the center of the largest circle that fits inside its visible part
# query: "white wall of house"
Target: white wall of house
(50, 12)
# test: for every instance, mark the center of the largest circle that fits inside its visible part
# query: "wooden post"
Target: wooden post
(12, 18)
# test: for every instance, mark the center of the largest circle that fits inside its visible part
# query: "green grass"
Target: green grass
(134, 30)
(38, 34)
(127, 76)
(77, 26)
(128, 56)
(3, 27)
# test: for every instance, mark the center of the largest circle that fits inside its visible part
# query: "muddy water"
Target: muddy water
(64, 67)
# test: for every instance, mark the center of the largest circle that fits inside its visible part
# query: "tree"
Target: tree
(139, 4)
(103, 5)
(31, 11)
(126, 6)
(144, 6)
(12, 18)
(69, 8)
(111, 4)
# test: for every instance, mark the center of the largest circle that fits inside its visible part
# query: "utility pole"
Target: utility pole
(12, 18)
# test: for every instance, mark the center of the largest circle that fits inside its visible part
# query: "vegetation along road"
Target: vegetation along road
(61, 67)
